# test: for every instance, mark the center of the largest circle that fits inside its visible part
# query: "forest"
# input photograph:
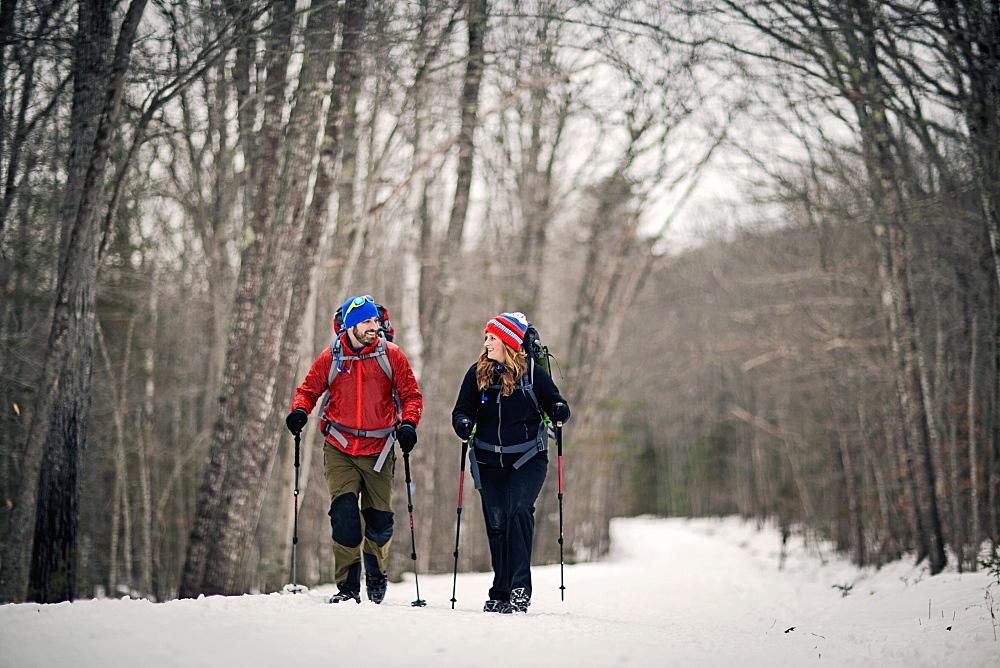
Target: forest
(760, 238)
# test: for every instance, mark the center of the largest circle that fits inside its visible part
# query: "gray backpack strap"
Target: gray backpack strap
(540, 444)
(547, 426)
(473, 464)
(386, 449)
(382, 357)
(526, 387)
(334, 369)
(362, 433)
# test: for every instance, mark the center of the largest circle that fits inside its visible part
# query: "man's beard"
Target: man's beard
(361, 336)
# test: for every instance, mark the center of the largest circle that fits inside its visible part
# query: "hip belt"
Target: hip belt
(331, 428)
(527, 450)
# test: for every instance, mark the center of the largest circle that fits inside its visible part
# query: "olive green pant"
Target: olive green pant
(360, 513)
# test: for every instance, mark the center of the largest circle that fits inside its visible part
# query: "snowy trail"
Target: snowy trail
(672, 593)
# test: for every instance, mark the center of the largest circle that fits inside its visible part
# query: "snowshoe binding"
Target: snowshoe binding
(345, 595)
(493, 605)
(519, 602)
(376, 585)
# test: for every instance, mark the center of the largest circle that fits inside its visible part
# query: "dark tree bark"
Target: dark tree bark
(889, 224)
(58, 436)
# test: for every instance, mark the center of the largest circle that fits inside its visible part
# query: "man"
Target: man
(373, 401)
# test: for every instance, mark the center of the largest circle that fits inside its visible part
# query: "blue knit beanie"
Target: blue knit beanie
(358, 309)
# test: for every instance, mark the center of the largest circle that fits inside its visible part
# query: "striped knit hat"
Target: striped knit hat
(509, 328)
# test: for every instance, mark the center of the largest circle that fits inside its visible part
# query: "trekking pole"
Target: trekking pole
(458, 523)
(419, 603)
(294, 587)
(559, 441)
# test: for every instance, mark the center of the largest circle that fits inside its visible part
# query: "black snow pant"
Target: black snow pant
(508, 497)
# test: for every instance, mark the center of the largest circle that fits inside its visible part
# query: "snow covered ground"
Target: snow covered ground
(673, 592)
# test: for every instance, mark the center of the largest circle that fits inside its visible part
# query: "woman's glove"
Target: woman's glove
(463, 427)
(560, 412)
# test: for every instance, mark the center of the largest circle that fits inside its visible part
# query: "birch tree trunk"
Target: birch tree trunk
(275, 276)
(222, 527)
(437, 290)
(346, 82)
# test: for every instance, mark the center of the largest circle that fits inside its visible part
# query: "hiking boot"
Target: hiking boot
(376, 585)
(519, 602)
(494, 605)
(345, 595)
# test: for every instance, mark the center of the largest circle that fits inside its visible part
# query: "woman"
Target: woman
(502, 398)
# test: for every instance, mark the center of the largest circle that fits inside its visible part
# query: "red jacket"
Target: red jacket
(361, 394)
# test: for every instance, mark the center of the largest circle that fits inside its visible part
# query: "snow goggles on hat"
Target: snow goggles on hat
(359, 301)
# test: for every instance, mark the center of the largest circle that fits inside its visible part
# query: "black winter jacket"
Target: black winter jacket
(504, 420)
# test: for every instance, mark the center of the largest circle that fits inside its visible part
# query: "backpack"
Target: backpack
(536, 351)
(537, 354)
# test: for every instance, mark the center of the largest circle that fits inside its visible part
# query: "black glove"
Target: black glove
(560, 412)
(406, 434)
(296, 420)
(463, 427)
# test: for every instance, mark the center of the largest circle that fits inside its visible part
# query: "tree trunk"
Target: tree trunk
(974, 527)
(614, 269)
(57, 438)
(222, 526)
(857, 527)
(274, 275)
(888, 220)
(438, 291)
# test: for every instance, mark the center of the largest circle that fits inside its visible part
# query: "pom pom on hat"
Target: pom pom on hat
(358, 309)
(509, 328)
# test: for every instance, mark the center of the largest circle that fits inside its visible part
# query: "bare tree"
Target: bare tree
(274, 275)
(846, 56)
(436, 290)
(59, 428)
